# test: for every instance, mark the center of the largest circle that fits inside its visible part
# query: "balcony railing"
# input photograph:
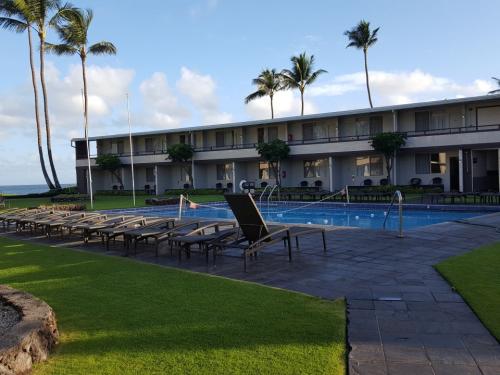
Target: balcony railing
(346, 138)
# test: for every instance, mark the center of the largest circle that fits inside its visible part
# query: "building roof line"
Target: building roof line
(311, 117)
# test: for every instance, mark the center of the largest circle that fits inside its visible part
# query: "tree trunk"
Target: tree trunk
(388, 166)
(118, 177)
(37, 114)
(272, 107)
(190, 175)
(302, 102)
(46, 108)
(86, 116)
(367, 78)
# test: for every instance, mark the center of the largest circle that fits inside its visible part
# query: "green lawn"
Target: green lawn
(476, 276)
(106, 202)
(119, 316)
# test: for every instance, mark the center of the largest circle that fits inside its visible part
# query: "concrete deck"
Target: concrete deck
(403, 318)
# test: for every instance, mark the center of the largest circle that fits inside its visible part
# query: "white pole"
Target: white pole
(88, 155)
(131, 149)
(181, 199)
(347, 192)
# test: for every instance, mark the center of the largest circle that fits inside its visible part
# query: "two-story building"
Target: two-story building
(454, 143)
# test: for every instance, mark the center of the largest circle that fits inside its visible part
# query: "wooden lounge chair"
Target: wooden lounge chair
(203, 236)
(67, 222)
(256, 234)
(151, 231)
(77, 225)
(88, 229)
(112, 233)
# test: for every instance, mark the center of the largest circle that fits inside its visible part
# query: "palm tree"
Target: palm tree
(268, 83)
(39, 10)
(15, 19)
(363, 38)
(72, 25)
(301, 75)
(496, 91)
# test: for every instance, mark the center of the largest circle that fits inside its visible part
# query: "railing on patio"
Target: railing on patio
(339, 139)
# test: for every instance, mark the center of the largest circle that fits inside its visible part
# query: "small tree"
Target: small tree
(274, 152)
(388, 144)
(110, 163)
(182, 153)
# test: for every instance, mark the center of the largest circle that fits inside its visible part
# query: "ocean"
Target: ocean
(27, 189)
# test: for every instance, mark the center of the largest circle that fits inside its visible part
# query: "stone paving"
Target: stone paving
(403, 317)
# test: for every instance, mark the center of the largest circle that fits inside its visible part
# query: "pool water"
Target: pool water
(354, 215)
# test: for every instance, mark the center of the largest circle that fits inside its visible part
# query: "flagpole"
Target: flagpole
(85, 125)
(131, 149)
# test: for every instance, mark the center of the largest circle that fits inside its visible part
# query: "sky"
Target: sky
(191, 62)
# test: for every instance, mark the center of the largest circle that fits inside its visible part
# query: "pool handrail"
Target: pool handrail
(263, 192)
(397, 194)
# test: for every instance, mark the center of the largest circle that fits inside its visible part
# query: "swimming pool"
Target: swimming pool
(336, 214)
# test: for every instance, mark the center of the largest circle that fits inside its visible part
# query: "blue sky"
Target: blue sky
(190, 62)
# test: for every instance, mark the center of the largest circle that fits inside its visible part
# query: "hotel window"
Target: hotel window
(120, 147)
(362, 126)
(376, 125)
(430, 163)
(312, 131)
(422, 121)
(272, 133)
(182, 138)
(312, 168)
(264, 170)
(439, 120)
(224, 171)
(150, 174)
(369, 166)
(220, 139)
(148, 143)
(260, 135)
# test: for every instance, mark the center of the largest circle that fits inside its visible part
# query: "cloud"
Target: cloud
(286, 103)
(198, 9)
(200, 89)
(402, 87)
(162, 107)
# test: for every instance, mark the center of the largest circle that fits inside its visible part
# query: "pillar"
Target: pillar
(498, 168)
(460, 170)
(156, 179)
(330, 172)
(234, 176)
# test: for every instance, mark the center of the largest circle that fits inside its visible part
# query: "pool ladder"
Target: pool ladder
(397, 194)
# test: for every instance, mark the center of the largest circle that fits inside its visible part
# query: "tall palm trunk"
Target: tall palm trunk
(37, 114)
(272, 107)
(86, 116)
(46, 108)
(367, 78)
(302, 102)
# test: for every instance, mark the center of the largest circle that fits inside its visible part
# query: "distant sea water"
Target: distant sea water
(27, 189)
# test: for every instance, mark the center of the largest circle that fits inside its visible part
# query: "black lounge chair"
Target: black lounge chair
(415, 181)
(367, 182)
(255, 234)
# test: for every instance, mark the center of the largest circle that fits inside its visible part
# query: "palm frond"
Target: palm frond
(12, 24)
(315, 75)
(61, 49)
(102, 48)
(255, 95)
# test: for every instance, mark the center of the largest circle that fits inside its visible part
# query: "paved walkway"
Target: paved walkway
(403, 318)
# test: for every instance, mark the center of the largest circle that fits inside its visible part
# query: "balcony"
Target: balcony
(456, 136)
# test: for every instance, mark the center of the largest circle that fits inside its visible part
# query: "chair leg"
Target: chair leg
(289, 249)
(297, 242)
(245, 261)
(324, 240)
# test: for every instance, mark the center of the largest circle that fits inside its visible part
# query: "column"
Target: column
(234, 177)
(460, 170)
(156, 179)
(498, 168)
(394, 169)
(192, 173)
(330, 172)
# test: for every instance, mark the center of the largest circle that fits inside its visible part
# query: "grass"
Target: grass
(105, 202)
(476, 277)
(119, 316)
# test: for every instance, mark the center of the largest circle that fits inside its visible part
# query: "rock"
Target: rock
(29, 336)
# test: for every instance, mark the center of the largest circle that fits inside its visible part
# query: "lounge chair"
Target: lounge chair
(2, 201)
(68, 222)
(77, 225)
(256, 234)
(203, 236)
(154, 230)
(88, 229)
(112, 233)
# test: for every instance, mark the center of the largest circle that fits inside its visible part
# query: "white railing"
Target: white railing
(397, 194)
